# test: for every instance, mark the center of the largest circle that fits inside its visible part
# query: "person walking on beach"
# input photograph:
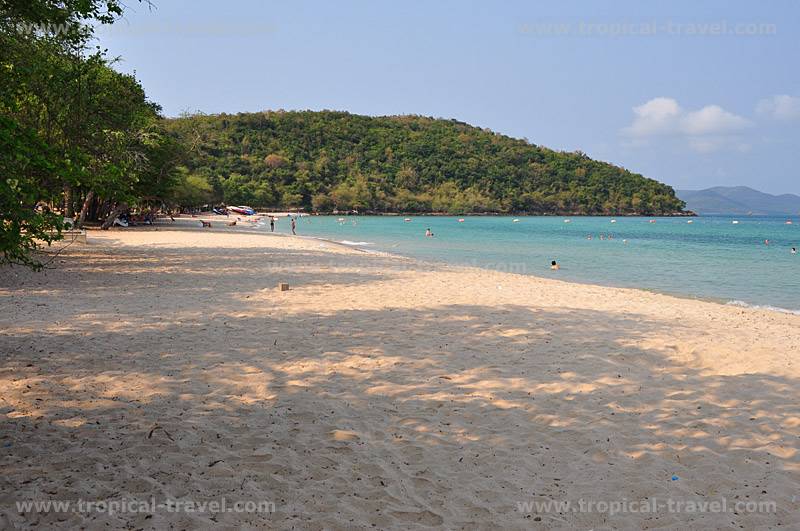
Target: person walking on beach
(294, 226)
(271, 224)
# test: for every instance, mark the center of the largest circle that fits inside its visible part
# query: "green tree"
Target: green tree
(25, 161)
(323, 203)
(410, 163)
(39, 39)
(190, 190)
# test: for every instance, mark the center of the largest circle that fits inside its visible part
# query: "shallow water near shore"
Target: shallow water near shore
(709, 258)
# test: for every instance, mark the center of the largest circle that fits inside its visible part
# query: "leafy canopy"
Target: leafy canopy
(336, 160)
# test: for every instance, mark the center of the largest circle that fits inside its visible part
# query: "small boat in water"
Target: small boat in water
(735, 222)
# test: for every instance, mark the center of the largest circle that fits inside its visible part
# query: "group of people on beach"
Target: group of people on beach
(272, 225)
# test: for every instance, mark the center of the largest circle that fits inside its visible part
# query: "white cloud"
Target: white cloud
(712, 120)
(657, 116)
(705, 130)
(780, 107)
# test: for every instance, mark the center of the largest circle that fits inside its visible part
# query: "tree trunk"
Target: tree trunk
(85, 209)
(68, 210)
(103, 210)
(94, 210)
(121, 207)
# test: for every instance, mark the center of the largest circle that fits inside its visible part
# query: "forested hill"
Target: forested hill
(325, 161)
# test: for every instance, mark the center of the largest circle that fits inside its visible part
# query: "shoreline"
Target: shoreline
(245, 229)
(507, 214)
(380, 392)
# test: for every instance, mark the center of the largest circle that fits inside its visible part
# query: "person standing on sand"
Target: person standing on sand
(271, 224)
(294, 226)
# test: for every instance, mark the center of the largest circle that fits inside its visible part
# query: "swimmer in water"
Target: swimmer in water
(766, 242)
(554, 266)
(794, 250)
(428, 232)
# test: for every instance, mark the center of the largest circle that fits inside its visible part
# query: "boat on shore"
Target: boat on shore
(243, 210)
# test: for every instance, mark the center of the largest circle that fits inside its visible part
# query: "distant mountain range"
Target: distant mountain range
(739, 200)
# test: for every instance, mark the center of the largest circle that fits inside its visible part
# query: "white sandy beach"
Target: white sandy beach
(381, 392)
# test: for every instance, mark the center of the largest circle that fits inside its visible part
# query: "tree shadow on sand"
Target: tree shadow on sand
(413, 417)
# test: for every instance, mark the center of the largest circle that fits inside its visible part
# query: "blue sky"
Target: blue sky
(693, 94)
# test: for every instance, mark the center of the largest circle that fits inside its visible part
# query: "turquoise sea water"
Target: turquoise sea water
(710, 258)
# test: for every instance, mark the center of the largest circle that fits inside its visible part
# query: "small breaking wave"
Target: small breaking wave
(742, 304)
(348, 242)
